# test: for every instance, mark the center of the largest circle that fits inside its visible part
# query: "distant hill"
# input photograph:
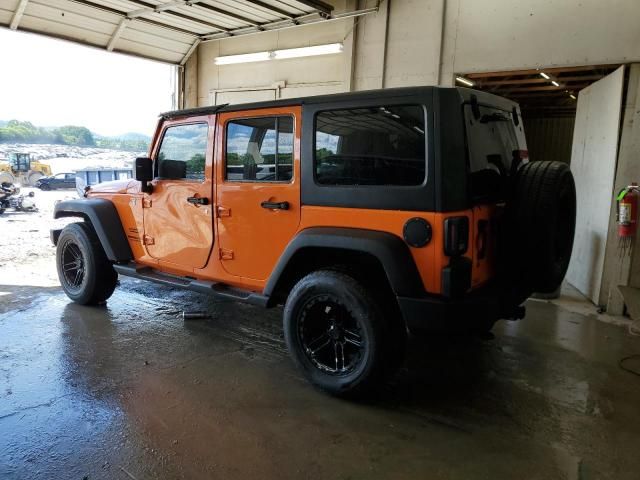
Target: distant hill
(14, 131)
(130, 141)
(135, 136)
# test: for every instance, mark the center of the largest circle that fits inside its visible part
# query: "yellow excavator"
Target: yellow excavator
(23, 170)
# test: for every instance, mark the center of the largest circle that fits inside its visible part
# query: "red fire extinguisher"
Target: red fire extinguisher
(628, 214)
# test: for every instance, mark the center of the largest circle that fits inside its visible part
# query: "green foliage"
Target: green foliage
(26, 132)
(72, 135)
(15, 131)
(196, 163)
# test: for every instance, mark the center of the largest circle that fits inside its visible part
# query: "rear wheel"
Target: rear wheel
(336, 333)
(85, 273)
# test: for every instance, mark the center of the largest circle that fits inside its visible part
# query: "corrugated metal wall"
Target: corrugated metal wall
(549, 138)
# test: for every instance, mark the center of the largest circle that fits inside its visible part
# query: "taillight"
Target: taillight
(456, 236)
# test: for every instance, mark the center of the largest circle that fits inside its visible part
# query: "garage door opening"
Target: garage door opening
(548, 100)
(572, 115)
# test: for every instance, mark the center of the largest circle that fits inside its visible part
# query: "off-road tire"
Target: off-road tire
(358, 303)
(540, 226)
(98, 278)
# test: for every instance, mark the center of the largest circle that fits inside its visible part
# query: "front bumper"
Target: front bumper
(477, 310)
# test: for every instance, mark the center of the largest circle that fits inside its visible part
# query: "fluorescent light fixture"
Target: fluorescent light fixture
(327, 49)
(280, 54)
(465, 81)
(572, 96)
(243, 58)
(545, 76)
(555, 83)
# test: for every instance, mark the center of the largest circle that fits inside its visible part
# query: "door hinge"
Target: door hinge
(226, 254)
(148, 240)
(223, 212)
(146, 203)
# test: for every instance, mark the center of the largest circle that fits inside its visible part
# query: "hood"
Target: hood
(117, 186)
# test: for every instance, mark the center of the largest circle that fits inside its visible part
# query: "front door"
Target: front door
(178, 226)
(258, 188)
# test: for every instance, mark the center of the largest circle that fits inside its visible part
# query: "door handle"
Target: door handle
(198, 200)
(275, 205)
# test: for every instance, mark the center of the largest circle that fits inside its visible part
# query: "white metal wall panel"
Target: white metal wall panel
(593, 163)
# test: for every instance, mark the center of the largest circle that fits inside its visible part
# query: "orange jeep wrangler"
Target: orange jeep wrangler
(367, 215)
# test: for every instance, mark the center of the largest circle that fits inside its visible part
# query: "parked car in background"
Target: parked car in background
(61, 180)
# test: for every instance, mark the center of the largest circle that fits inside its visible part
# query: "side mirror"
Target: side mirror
(144, 173)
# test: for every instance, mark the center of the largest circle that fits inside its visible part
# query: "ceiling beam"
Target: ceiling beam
(306, 19)
(117, 32)
(220, 11)
(115, 11)
(322, 7)
(17, 16)
(149, 8)
(545, 88)
(526, 81)
(192, 49)
(271, 8)
(536, 71)
(559, 93)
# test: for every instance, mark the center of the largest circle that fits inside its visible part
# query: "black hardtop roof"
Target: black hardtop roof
(465, 96)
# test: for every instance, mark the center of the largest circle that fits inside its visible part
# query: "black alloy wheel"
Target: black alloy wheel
(331, 337)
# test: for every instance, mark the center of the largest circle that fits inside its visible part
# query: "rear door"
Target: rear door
(258, 188)
(492, 139)
(178, 219)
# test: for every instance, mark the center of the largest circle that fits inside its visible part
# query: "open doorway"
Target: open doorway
(548, 101)
(573, 114)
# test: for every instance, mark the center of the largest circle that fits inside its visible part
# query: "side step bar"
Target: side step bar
(203, 286)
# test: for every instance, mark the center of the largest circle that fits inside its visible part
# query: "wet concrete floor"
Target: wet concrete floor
(131, 391)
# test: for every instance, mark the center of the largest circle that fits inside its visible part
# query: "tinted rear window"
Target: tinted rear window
(383, 145)
(491, 139)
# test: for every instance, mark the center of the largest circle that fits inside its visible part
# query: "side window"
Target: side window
(383, 145)
(259, 149)
(70, 176)
(182, 152)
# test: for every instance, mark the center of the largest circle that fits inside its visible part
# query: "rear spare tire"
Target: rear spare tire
(540, 225)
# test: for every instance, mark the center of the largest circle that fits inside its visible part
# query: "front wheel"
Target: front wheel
(85, 273)
(336, 333)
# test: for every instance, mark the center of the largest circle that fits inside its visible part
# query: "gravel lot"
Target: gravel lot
(26, 252)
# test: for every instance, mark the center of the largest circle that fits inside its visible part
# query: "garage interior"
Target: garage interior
(129, 390)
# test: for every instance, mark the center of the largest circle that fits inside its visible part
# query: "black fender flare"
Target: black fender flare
(105, 220)
(390, 250)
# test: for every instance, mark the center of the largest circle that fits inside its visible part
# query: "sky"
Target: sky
(54, 82)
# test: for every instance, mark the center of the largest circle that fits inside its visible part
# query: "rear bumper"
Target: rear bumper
(477, 310)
